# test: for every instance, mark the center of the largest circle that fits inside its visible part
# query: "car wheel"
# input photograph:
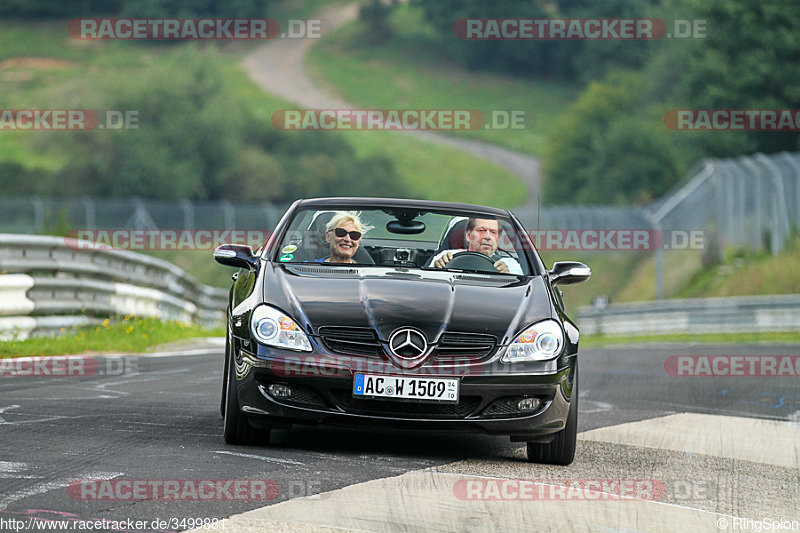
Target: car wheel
(237, 429)
(561, 450)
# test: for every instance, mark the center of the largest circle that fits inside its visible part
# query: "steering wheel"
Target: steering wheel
(467, 260)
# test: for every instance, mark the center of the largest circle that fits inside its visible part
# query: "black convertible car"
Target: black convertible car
(404, 313)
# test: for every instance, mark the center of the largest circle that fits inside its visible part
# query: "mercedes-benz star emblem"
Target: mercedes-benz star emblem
(408, 343)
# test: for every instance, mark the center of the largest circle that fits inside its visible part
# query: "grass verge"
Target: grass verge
(413, 69)
(611, 273)
(130, 334)
(429, 171)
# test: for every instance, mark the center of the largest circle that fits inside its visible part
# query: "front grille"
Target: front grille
(465, 406)
(472, 345)
(350, 340)
(303, 396)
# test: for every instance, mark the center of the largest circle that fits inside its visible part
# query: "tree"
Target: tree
(601, 152)
(748, 61)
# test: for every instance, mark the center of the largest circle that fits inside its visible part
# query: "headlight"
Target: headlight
(539, 342)
(273, 328)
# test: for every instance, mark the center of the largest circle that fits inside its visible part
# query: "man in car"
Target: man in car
(343, 234)
(483, 236)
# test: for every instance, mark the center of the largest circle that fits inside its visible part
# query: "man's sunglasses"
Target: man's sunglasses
(341, 232)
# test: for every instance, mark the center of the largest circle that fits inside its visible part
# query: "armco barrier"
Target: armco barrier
(47, 283)
(744, 314)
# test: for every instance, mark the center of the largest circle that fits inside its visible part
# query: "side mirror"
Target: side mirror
(236, 255)
(569, 272)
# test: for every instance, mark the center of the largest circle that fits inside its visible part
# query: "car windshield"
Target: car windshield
(405, 238)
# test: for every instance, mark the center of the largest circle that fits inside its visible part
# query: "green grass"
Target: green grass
(611, 273)
(787, 337)
(679, 267)
(742, 273)
(130, 334)
(40, 65)
(745, 273)
(413, 70)
(299, 9)
(429, 171)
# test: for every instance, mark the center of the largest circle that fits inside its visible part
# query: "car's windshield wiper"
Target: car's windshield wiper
(466, 271)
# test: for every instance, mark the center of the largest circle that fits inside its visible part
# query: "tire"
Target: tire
(561, 450)
(224, 376)
(237, 429)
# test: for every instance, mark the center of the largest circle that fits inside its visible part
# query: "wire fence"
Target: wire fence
(750, 202)
(49, 215)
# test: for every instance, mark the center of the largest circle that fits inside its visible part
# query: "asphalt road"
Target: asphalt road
(160, 420)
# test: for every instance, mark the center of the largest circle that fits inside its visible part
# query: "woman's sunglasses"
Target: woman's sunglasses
(341, 232)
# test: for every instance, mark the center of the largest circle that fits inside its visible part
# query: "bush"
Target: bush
(602, 152)
(196, 140)
(375, 13)
(571, 60)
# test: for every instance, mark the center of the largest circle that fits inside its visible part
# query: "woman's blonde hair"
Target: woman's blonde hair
(340, 217)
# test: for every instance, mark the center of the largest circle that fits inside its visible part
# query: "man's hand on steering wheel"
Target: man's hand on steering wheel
(502, 267)
(442, 261)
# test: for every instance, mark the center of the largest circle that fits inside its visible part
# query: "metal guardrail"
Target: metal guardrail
(47, 283)
(745, 314)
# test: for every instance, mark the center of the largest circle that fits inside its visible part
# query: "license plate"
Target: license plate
(406, 388)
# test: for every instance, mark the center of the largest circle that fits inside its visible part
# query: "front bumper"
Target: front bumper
(322, 394)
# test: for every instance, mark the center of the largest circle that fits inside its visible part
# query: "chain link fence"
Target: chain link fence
(50, 215)
(750, 202)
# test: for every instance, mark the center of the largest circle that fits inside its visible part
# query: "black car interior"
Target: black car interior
(384, 252)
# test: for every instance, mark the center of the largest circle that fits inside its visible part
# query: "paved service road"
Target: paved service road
(702, 450)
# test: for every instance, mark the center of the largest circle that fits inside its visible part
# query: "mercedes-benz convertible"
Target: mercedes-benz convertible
(404, 314)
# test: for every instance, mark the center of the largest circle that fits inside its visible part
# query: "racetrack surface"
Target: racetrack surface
(714, 448)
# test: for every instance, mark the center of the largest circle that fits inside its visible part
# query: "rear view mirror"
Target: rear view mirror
(236, 255)
(411, 227)
(569, 272)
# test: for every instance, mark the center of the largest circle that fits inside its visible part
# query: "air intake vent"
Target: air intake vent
(327, 271)
(350, 340)
(465, 406)
(494, 280)
(465, 345)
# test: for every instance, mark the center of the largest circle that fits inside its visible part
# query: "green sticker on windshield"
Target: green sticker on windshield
(286, 257)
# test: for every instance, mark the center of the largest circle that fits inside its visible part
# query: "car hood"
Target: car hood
(385, 300)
